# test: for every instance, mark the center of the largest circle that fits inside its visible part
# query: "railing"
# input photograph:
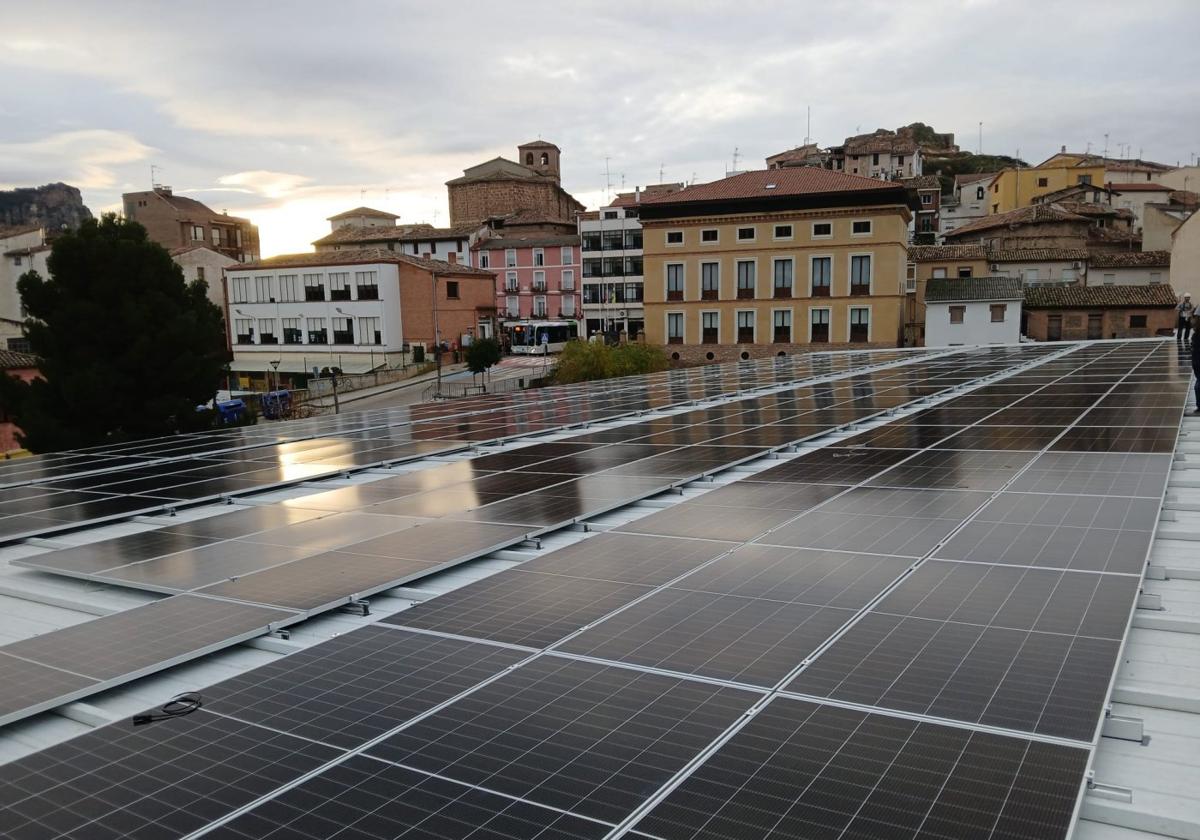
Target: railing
(459, 390)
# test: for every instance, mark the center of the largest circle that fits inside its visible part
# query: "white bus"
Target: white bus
(538, 338)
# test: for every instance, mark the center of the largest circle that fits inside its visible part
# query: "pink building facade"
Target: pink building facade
(537, 276)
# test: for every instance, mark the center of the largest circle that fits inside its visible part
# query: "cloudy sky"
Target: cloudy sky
(290, 112)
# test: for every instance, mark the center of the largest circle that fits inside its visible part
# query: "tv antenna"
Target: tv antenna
(660, 172)
(736, 155)
(153, 176)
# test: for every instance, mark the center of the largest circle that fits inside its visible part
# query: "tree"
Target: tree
(482, 354)
(128, 349)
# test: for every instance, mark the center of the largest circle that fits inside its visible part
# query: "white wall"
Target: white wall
(1137, 276)
(10, 271)
(213, 264)
(977, 326)
(353, 357)
(1048, 271)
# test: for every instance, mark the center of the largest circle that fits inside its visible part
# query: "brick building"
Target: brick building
(775, 261)
(177, 222)
(501, 187)
(926, 225)
(537, 274)
(1072, 313)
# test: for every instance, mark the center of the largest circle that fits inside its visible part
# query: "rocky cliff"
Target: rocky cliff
(54, 207)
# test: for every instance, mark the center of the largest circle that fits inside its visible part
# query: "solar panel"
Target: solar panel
(585, 738)
(366, 798)
(200, 567)
(1099, 474)
(962, 470)
(1118, 439)
(834, 465)
(358, 685)
(801, 771)
(108, 554)
(1031, 438)
(165, 779)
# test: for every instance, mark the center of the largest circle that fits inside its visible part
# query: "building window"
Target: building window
(633, 240)
(197, 233)
(710, 327)
(539, 307)
(217, 236)
(314, 288)
(709, 235)
(979, 193)
(243, 330)
(368, 285)
(995, 208)
(316, 331)
(710, 281)
(745, 234)
(1032, 275)
(957, 314)
(939, 273)
(1155, 278)
(339, 285)
(289, 288)
(539, 256)
(860, 324)
(674, 281)
(266, 331)
(822, 230)
(512, 306)
(926, 198)
(1110, 279)
(926, 224)
(200, 273)
(451, 290)
(484, 262)
(567, 255)
(674, 237)
(291, 331)
(612, 240)
(782, 333)
(822, 275)
(783, 278)
(819, 326)
(239, 289)
(369, 331)
(860, 228)
(875, 159)
(964, 271)
(610, 214)
(745, 279)
(262, 289)
(567, 306)
(510, 282)
(860, 275)
(567, 283)
(998, 311)
(783, 231)
(674, 328)
(539, 281)
(343, 331)
(745, 326)
(1084, 179)
(510, 257)
(1137, 321)
(1043, 182)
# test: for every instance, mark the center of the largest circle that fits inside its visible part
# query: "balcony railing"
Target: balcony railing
(745, 294)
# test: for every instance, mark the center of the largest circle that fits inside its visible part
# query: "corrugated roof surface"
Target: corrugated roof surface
(1087, 297)
(972, 288)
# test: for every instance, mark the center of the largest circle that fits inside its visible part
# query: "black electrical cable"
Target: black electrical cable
(182, 704)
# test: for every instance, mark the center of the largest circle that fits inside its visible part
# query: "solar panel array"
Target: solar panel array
(904, 635)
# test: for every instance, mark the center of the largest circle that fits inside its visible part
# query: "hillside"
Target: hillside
(53, 206)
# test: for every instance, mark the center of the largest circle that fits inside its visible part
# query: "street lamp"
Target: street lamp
(437, 340)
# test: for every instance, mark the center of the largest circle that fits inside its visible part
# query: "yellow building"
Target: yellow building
(1013, 188)
(769, 262)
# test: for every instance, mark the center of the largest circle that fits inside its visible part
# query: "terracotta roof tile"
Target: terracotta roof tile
(359, 256)
(944, 289)
(1088, 297)
(400, 233)
(10, 359)
(1132, 259)
(532, 240)
(1037, 254)
(972, 177)
(934, 253)
(762, 183)
(922, 182)
(1138, 187)
(1032, 215)
(364, 211)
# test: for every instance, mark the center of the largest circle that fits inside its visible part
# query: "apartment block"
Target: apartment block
(611, 242)
(536, 274)
(175, 221)
(350, 309)
(775, 261)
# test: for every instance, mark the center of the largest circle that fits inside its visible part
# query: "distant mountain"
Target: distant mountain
(54, 207)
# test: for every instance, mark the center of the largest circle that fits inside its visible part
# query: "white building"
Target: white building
(363, 228)
(969, 202)
(1135, 196)
(1129, 268)
(1040, 265)
(612, 263)
(343, 314)
(972, 310)
(200, 262)
(22, 249)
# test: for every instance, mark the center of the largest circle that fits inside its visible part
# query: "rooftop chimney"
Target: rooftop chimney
(1064, 150)
(637, 194)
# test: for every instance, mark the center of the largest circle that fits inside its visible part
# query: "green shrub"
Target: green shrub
(583, 361)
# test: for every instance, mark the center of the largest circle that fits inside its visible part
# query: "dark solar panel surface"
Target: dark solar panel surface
(800, 770)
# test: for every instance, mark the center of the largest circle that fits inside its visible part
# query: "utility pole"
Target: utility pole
(980, 146)
(437, 341)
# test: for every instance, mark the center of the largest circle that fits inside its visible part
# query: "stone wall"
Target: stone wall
(1114, 323)
(476, 201)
